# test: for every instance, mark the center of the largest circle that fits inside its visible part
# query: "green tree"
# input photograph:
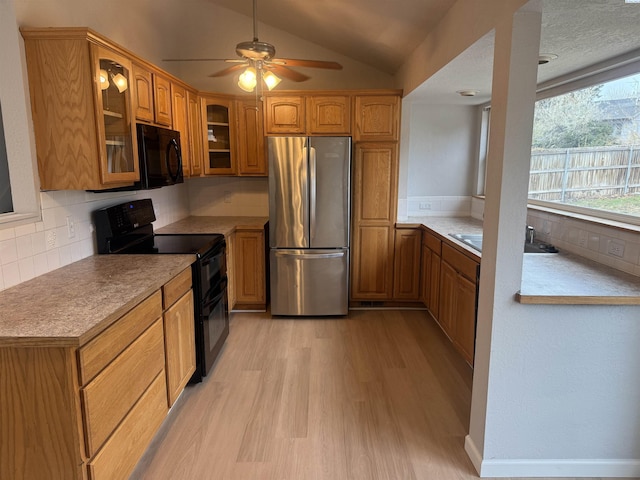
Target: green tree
(571, 120)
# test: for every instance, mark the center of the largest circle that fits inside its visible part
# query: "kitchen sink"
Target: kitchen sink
(474, 240)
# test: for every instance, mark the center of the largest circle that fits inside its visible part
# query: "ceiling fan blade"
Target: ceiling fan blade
(292, 62)
(228, 70)
(196, 60)
(286, 72)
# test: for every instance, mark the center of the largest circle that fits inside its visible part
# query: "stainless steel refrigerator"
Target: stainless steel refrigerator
(309, 217)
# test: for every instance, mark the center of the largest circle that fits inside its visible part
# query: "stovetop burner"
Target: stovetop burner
(175, 243)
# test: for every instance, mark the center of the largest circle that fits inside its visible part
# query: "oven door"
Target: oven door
(215, 325)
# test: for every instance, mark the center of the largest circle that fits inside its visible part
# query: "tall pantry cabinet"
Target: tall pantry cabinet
(375, 191)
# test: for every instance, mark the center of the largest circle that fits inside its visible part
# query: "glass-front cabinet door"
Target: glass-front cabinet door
(116, 128)
(220, 136)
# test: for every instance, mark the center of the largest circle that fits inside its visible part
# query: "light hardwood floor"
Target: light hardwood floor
(375, 395)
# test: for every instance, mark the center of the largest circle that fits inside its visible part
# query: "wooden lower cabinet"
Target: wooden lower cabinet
(89, 412)
(458, 293)
(179, 345)
(372, 263)
(249, 270)
(430, 279)
(406, 269)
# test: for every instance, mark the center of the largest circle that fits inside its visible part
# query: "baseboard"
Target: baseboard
(623, 468)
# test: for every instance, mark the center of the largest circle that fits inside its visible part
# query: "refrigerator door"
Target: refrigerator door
(309, 282)
(329, 195)
(288, 192)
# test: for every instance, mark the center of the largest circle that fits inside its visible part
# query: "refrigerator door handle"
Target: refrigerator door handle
(339, 254)
(312, 194)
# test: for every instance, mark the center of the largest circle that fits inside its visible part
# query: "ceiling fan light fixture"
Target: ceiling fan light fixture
(104, 79)
(120, 81)
(271, 80)
(248, 79)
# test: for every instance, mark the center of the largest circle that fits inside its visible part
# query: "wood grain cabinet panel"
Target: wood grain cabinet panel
(83, 125)
(162, 100)
(284, 115)
(195, 134)
(458, 299)
(104, 400)
(180, 123)
(252, 158)
(372, 266)
(406, 270)
(375, 182)
(249, 269)
(376, 118)
(143, 93)
(179, 345)
(176, 287)
(329, 115)
(220, 131)
(430, 281)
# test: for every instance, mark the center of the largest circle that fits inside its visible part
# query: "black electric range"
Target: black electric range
(127, 229)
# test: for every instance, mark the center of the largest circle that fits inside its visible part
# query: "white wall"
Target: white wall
(437, 159)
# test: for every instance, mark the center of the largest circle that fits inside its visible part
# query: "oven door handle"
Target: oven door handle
(221, 288)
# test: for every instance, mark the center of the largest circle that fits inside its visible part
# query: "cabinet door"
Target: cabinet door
(119, 162)
(434, 285)
(180, 123)
(179, 345)
(377, 117)
(195, 134)
(162, 100)
(284, 115)
(465, 318)
(250, 276)
(219, 136)
(329, 115)
(406, 270)
(425, 276)
(375, 183)
(251, 148)
(372, 263)
(143, 93)
(448, 278)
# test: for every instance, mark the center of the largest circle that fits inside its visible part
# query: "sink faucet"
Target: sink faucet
(531, 233)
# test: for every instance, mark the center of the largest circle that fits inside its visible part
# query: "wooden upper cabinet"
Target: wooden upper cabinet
(78, 108)
(252, 158)
(143, 93)
(283, 115)
(219, 129)
(195, 133)
(162, 100)
(329, 115)
(180, 123)
(376, 118)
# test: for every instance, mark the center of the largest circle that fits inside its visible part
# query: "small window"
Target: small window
(6, 202)
(586, 149)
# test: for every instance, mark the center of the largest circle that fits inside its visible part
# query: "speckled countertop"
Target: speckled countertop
(556, 278)
(71, 305)
(224, 225)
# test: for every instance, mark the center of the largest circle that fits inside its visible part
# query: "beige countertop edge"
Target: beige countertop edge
(564, 266)
(214, 224)
(67, 330)
(576, 300)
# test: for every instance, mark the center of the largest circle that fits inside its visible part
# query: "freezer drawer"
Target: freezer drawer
(309, 282)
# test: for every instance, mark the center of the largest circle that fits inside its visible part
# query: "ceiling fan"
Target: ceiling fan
(257, 60)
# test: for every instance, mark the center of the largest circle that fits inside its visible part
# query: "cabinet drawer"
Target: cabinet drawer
(432, 242)
(108, 398)
(460, 262)
(176, 287)
(100, 351)
(122, 451)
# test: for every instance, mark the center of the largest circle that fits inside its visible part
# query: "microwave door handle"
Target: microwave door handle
(173, 144)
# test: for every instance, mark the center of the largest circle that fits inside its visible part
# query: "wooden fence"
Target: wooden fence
(574, 173)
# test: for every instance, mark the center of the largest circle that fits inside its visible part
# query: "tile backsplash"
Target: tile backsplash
(65, 233)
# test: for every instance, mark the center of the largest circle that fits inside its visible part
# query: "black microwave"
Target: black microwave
(160, 157)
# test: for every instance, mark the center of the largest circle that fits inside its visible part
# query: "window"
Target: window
(6, 202)
(585, 152)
